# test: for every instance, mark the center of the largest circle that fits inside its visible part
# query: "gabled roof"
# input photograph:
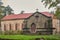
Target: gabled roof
(17, 16)
(47, 14)
(23, 16)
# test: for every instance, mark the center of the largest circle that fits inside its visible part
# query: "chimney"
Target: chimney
(22, 12)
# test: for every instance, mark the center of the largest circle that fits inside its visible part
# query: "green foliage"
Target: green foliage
(57, 13)
(1, 13)
(11, 32)
(30, 37)
(51, 4)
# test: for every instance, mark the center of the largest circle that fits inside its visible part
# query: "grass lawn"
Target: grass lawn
(29, 37)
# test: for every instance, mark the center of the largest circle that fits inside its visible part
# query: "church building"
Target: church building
(33, 23)
(37, 22)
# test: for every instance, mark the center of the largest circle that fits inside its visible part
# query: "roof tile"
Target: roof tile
(23, 16)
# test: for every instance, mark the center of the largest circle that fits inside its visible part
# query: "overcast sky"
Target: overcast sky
(26, 5)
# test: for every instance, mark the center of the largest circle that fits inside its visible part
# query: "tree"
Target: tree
(0, 16)
(53, 3)
(1, 11)
(8, 10)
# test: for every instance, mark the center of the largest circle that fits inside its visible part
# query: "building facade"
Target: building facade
(37, 22)
(56, 25)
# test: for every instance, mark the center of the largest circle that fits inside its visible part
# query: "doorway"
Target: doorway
(33, 28)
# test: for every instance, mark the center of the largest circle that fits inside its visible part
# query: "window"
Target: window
(16, 26)
(45, 25)
(59, 23)
(4, 27)
(10, 26)
(48, 24)
(22, 25)
(37, 18)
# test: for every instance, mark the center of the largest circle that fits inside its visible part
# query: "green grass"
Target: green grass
(29, 37)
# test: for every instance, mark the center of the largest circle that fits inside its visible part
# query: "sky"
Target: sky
(25, 5)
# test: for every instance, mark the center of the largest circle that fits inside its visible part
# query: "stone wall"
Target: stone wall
(40, 22)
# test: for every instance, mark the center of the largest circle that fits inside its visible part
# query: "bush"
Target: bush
(19, 32)
(1, 32)
(11, 32)
(8, 32)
